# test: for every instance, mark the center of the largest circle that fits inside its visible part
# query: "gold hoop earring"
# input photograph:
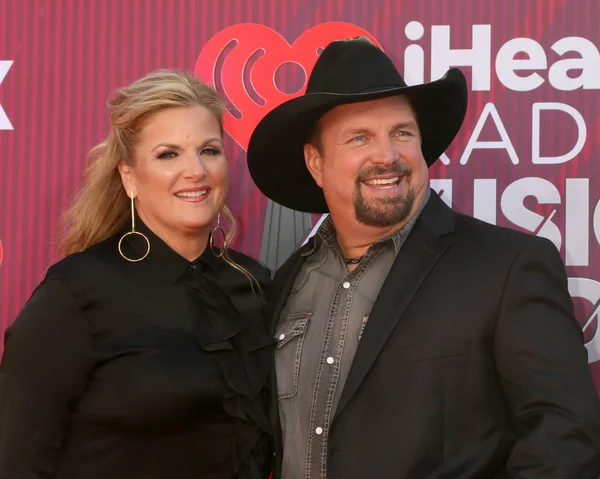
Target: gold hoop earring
(212, 234)
(133, 232)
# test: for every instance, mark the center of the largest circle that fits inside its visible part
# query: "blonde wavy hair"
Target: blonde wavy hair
(101, 207)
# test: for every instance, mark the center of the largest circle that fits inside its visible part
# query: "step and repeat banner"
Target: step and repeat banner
(527, 156)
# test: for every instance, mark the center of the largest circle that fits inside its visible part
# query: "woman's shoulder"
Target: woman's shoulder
(67, 281)
(85, 264)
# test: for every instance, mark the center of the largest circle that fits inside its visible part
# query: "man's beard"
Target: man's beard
(383, 212)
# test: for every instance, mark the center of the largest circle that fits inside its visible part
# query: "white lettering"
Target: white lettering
(514, 209)
(574, 208)
(577, 220)
(535, 133)
(588, 63)
(596, 223)
(444, 159)
(414, 55)
(504, 143)
(5, 123)
(506, 64)
(589, 290)
(478, 57)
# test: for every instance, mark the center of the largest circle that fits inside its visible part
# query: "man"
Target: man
(413, 342)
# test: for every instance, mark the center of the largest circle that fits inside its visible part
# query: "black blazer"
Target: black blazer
(472, 364)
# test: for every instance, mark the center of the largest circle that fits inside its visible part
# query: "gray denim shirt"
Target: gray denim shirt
(317, 334)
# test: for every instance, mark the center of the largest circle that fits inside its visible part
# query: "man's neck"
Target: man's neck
(355, 239)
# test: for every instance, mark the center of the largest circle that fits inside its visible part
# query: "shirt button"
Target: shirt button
(330, 360)
(319, 430)
(192, 267)
(346, 285)
(281, 337)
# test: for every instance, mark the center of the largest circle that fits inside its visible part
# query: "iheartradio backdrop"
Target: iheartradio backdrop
(526, 156)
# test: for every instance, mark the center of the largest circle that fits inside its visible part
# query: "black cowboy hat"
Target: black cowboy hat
(347, 71)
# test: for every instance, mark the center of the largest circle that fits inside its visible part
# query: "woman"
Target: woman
(144, 352)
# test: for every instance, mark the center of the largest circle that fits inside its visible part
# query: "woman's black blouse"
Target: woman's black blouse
(154, 369)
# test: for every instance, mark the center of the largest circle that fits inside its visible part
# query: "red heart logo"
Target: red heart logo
(242, 61)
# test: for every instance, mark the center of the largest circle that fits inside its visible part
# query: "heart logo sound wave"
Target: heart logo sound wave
(250, 65)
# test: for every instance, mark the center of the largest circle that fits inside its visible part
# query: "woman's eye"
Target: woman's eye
(165, 155)
(211, 151)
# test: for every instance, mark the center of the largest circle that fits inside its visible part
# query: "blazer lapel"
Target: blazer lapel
(426, 243)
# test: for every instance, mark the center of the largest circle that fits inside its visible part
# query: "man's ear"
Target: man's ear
(126, 172)
(314, 162)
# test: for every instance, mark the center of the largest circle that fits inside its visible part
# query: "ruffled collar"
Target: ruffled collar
(241, 347)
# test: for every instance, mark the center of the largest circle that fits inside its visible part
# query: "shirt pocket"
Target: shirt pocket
(289, 333)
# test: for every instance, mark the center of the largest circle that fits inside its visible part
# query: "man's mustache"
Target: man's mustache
(398, 169)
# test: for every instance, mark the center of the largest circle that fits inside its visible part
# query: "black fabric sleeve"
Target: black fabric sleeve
(47, 360)
(542, 362)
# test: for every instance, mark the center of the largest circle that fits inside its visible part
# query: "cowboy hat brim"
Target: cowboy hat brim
(276, 148)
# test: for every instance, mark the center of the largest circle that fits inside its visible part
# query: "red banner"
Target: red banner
(525, 157)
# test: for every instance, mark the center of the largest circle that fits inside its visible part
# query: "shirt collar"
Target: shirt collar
(167, 260)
